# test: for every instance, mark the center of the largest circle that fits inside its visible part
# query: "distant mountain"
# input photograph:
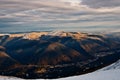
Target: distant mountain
(56, 54)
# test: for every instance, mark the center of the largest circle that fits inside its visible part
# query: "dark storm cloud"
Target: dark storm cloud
(101, 3)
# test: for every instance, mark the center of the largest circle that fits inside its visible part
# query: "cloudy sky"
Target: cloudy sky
(45, 15)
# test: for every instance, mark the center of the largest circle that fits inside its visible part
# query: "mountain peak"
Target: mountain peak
(57, 33)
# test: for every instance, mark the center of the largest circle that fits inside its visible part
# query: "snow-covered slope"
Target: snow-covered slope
(111, 72)
(102, 75)
(9, 78)
(115, 66)
(56, 33)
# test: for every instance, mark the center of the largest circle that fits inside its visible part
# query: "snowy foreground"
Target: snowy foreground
(102, 75)
(9, 78)
(111, 72)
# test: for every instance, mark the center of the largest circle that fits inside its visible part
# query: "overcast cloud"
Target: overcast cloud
(34, 14)
(101, 3)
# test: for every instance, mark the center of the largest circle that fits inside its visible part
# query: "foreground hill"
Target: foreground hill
(111, 72)
(102, 75)
(56, 54)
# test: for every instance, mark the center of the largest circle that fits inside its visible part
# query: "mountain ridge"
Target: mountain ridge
(52, 56)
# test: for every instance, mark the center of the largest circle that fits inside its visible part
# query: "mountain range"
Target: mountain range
(56, 54)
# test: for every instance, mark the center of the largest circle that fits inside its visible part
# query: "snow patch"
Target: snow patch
(55, 33)
(9, 78)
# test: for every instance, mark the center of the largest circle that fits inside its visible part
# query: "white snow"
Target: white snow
(102, 75)
(56, 33)
(26, 36)
(111, 72)
(115, 65)
(9, 78)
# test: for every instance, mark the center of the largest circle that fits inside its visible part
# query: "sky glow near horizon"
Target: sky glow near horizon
(46, 15)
